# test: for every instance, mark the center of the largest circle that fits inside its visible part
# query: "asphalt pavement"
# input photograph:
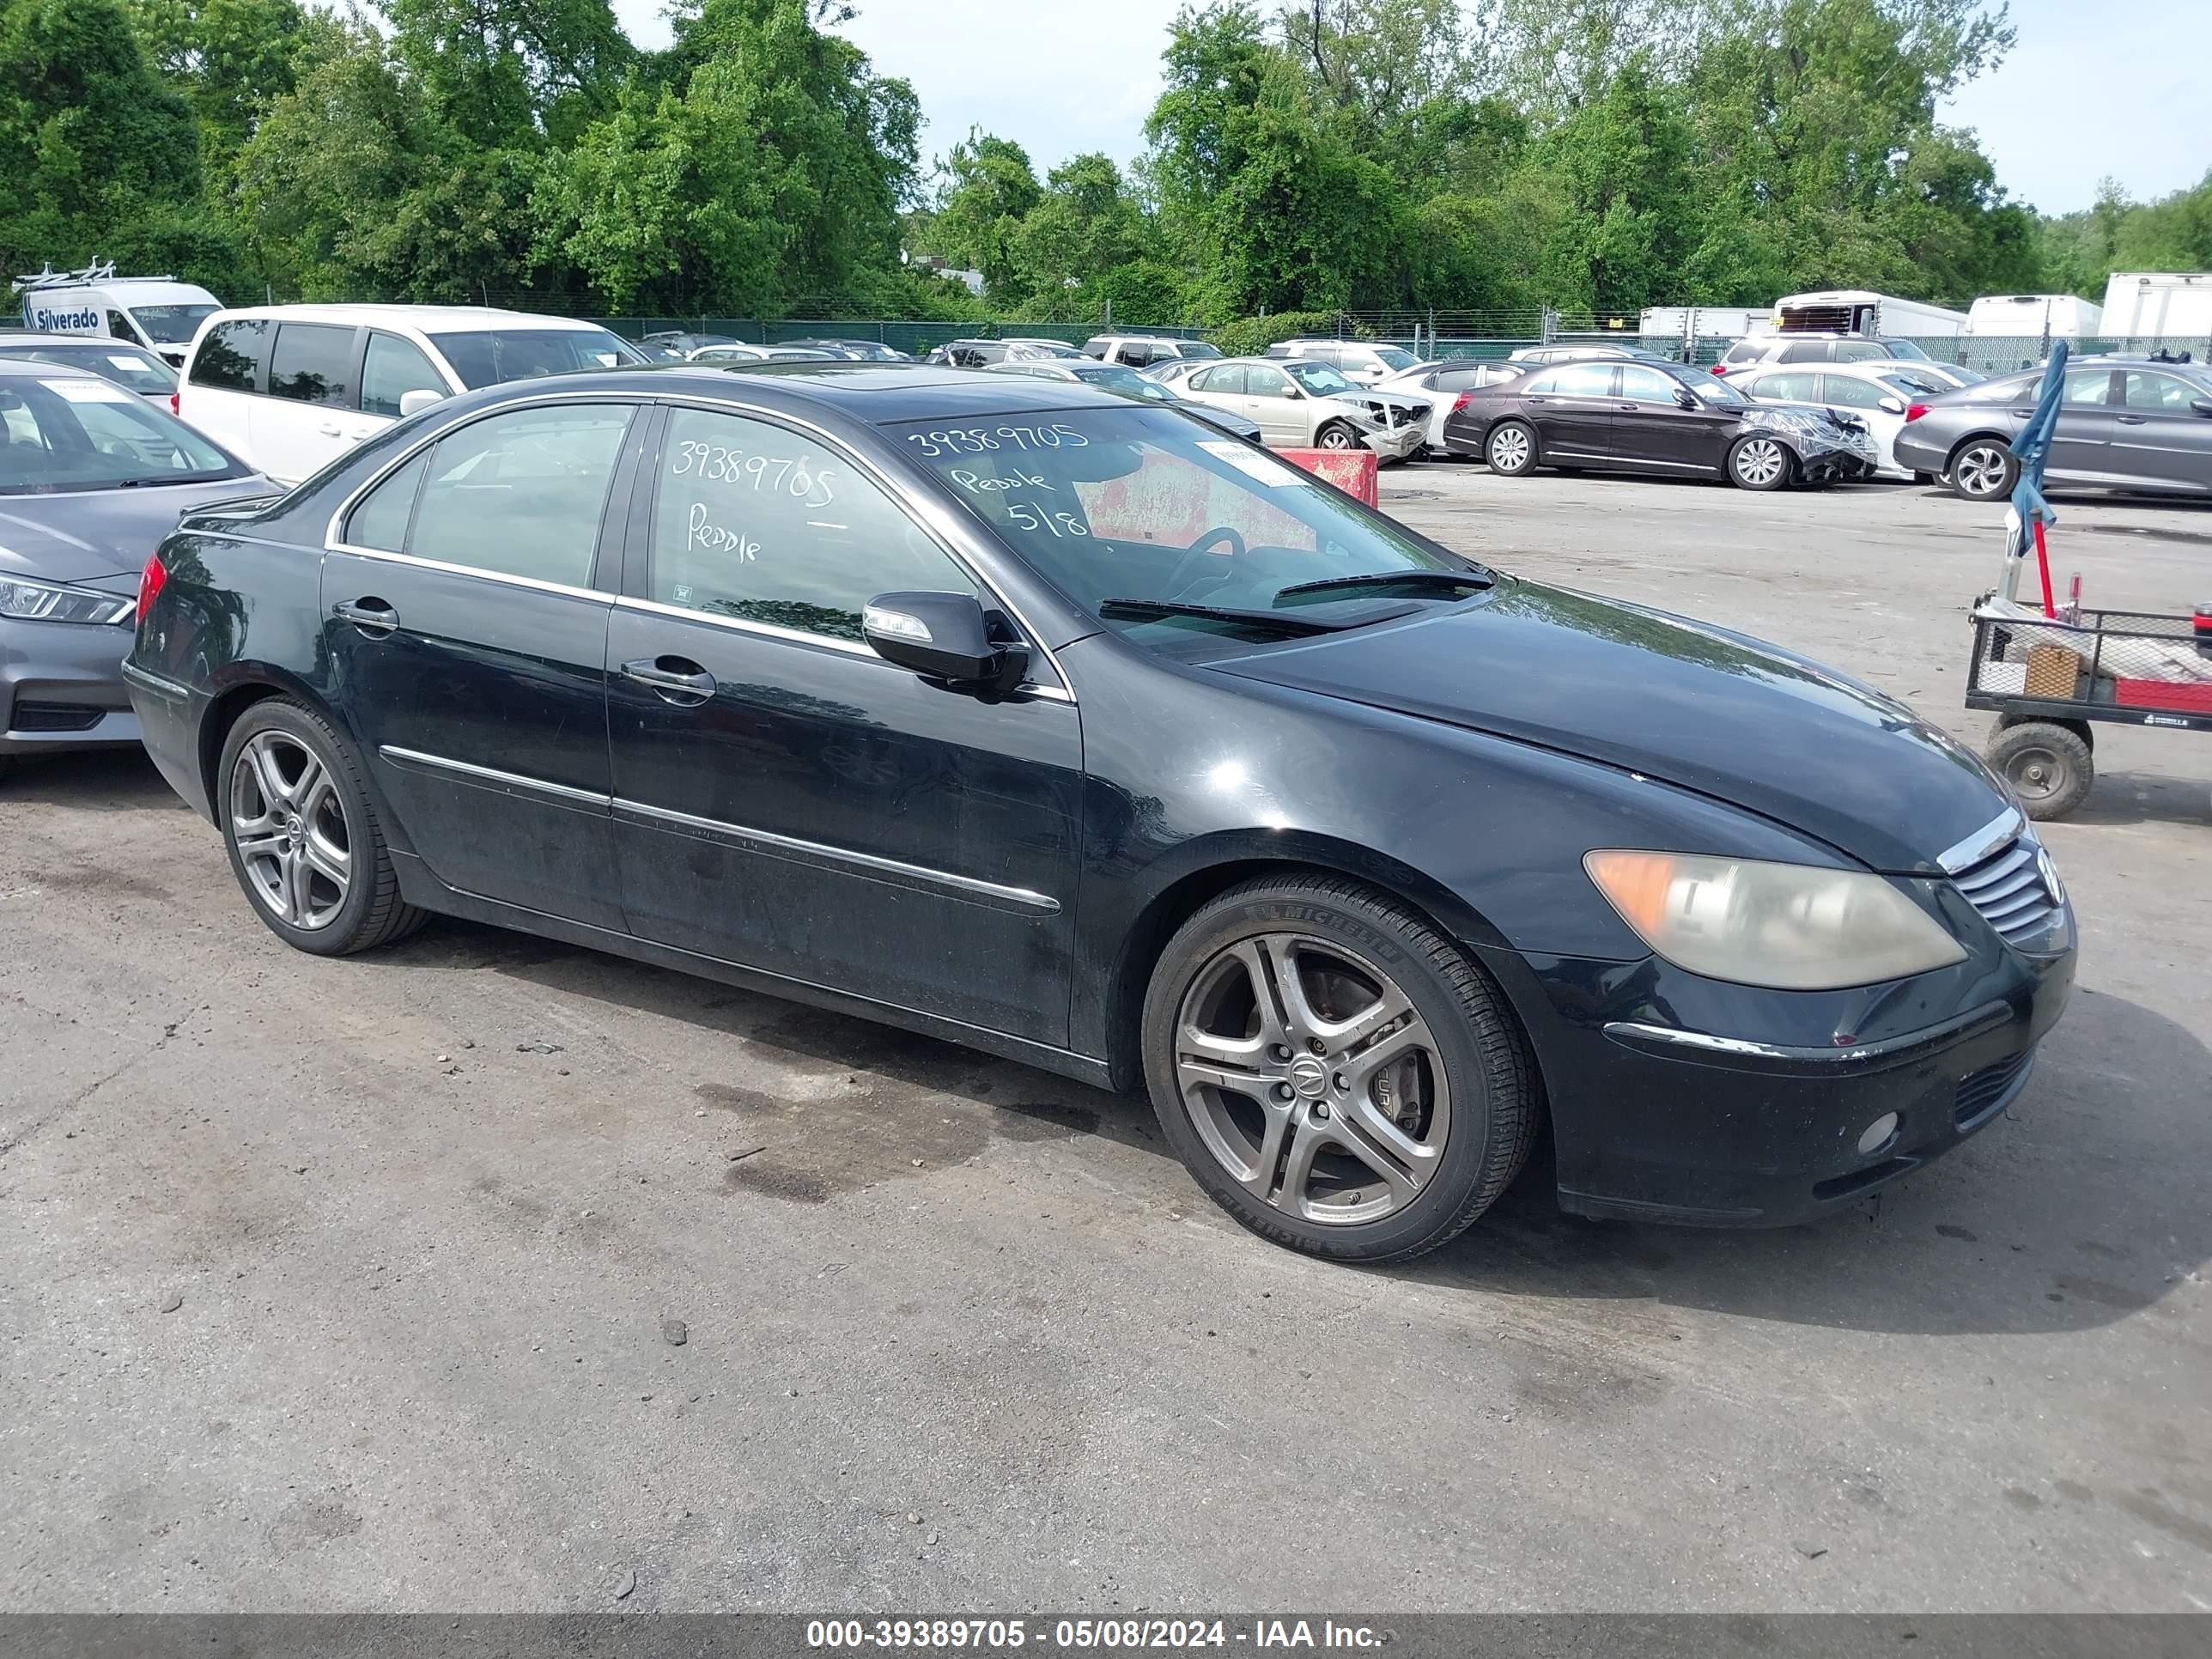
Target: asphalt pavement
(358, 1284)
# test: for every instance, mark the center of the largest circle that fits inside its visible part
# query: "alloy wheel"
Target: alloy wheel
(1980, 469)
(1759, 462)
(1335, 437)
(1509, 449)
(290, 826)
(1312, 1079)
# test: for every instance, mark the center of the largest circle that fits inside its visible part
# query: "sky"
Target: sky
(2090, 90)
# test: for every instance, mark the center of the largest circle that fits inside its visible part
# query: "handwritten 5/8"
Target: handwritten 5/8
(719, 463)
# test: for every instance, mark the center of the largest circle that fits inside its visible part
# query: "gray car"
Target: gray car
(1120, 378)
(2125, 424)
(118, 361)
(92, 478)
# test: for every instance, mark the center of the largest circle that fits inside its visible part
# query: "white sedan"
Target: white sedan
(1879, 393)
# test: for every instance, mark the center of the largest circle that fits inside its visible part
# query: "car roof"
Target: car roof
(44, 338)
(876, 393)
(427, 319)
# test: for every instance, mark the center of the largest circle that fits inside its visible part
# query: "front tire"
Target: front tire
(1336, 436)
(1334, 1072)
(303, 838)
(1983, 469)
(1758, 462)
(2049, 767)
(1511, 449)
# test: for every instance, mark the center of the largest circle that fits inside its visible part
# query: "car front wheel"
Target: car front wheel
(1759, 462)
(1336, 436)
(1336, 1074)
(302, 835)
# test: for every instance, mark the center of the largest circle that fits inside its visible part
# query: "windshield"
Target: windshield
(67, 432)
(124, 365)
(170, 325)
(1120, 377)
(1318, 379)
(1141, 504)
(498, 354)
(1915, 385)
(1197, 349)
(1722, 394)
(1396, 356)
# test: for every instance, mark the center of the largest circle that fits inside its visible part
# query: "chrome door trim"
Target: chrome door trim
(146, 681)
(492, 776)
(1972, 849)
(865, 865)
(567, 589)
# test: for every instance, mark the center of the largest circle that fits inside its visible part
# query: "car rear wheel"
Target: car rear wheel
(1758, 462)
(1511, 449)
(1983, 469)
(302, 835)
(1333, 1072)
(1336, 436)
(2049, 767)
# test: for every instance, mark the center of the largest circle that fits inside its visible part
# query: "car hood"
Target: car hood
(1382, 408)
(81, 535)
(1732, 718)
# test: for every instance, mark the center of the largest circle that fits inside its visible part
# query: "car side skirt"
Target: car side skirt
(418, 886)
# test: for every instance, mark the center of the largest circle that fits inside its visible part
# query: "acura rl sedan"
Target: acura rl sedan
(1015, 712)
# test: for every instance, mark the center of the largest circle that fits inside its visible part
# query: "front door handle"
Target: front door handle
(677, 680)
(2133, 420)
(329, 430)
(372, 617)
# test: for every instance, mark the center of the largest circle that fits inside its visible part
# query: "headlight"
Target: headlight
(1787, 927)
(25, 600)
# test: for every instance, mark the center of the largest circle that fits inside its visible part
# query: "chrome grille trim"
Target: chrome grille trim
(2007, 889)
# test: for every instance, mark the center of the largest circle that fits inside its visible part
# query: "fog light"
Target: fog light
(1879, 1133)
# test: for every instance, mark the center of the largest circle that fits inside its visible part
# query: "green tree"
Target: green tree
(1086, 223)
(228, 58)
(987, 192)
(501, 72)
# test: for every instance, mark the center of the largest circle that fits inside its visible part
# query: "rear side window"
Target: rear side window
(313, 363)
(1136, 355)
(1859, 351)
(380, 521)
(1229, 378)
(230, 358)
(392, 369)
(1743, 352)
(1804, 351)
(522, 493)
(1582, 380)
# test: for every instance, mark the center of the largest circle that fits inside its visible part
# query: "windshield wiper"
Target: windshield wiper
(1288, 623)
(1455, 580)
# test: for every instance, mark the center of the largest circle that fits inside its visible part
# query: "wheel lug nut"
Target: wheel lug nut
(1342, 1087)
(1280, 1051)
(1282, 1091)
(1321, 1108)
(1316, 1045)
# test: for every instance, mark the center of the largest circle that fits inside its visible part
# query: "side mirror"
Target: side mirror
(2202, 406)
(414, 403)
(1893, 406)
(1685, 398)
(943, 636)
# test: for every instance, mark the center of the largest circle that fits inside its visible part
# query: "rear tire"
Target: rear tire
(1511, 449)
(302, 835)
(2048, 767)
(1397, 1101)
(1983, 469)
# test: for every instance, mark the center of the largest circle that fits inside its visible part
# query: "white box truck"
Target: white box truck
(1679, 324)
(159, 313)
(1859, 311)
(2155, 304)
(2035, 316)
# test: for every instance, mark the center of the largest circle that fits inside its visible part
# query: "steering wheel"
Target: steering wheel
(1188, 570)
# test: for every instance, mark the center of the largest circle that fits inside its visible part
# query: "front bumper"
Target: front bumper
(1658, 1116)
(61, 688)
(1396, 443)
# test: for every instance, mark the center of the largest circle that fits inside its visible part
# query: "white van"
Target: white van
(2035, 316)
(158, 313)
(290, 387)
(2158, 305)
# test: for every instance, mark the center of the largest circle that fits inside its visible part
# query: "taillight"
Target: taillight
(1460, 402)
(176, 404)
(1914, 412)
(1720, 369)
(151, 581)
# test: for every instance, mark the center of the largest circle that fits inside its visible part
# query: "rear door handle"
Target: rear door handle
(2133, 420)
(677, 680)
(329, 430)
(371, 615)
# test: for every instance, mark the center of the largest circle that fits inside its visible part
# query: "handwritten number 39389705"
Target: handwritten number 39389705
(768, 474)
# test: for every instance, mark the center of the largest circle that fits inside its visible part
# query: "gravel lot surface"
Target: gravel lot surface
(346, 1284)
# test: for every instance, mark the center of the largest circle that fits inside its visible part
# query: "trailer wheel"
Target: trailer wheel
(2049, 767)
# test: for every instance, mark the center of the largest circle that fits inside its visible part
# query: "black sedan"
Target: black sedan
(2123, 424)
(1049, 723)
(1660, 419)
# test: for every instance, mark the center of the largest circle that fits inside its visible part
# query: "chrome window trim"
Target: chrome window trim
(538, 585)
(492, 775)
(866, 863)
(1970, 850)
